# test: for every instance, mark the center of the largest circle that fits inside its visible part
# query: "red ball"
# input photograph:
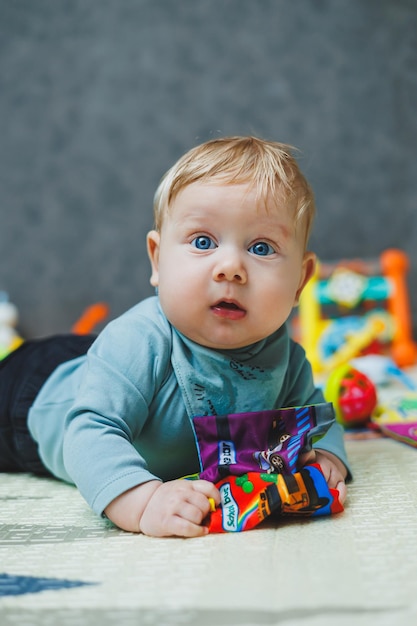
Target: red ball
(357, 397)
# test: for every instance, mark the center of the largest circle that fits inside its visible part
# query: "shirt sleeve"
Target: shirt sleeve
(111, 408)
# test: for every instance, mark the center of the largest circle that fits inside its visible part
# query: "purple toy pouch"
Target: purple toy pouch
(261, 441)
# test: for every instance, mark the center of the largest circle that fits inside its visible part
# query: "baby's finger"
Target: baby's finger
(195, 511)
(184, 528)
(342, 489)
(336, 481)
(206, 504)
(208, 489)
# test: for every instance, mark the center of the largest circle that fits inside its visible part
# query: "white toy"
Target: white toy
(9, 338)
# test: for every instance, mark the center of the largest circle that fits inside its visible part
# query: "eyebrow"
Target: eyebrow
(286, 231)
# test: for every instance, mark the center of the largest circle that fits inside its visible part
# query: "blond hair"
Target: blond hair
(267, 165)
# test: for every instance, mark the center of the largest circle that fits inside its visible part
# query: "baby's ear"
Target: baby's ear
(153, 239)
(308, 269)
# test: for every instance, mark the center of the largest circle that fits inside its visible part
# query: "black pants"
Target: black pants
(22, 374)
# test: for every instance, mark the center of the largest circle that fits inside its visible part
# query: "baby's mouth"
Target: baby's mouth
(228, 309)
(228, 304)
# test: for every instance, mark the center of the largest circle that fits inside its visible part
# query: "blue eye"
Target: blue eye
(203, 243)
(261, 248)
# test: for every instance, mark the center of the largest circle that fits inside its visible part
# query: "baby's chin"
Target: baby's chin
(221, 343)
(225, 334)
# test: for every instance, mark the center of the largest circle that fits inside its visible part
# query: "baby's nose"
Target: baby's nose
(230, 268)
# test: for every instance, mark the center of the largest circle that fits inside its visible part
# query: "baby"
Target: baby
(113, 414)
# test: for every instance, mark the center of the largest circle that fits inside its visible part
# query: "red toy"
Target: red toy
(249, 499)
(353, 395)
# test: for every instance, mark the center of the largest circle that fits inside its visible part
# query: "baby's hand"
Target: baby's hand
(332, 467)
(178, 508)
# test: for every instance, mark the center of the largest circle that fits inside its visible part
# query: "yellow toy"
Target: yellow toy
(368, 312)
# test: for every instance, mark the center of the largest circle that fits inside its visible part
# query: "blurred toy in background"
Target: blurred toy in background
(353, 394)
(383, 371)
(345, 338)
(397, 418)
(396, 412)
(9, 337)
(93, 315)
(368, 397)
(357, 307)
(9, 318)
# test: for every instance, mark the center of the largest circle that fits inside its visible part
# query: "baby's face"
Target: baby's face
(228, 268)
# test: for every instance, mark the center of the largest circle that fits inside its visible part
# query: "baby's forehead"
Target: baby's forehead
(201, 199)
(271, 195)
(264, 197)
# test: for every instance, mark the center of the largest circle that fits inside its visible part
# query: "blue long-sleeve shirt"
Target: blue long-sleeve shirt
(122, 415)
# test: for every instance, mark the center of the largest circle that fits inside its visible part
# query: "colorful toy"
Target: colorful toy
(356, 307)
(396, 413)
(343, 339)
(397, 418)
(259, 441)
(9, 338)
(248, 500)
(230, 448)
(353, 395)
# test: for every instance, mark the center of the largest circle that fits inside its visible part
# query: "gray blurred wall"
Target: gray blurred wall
(99, 97)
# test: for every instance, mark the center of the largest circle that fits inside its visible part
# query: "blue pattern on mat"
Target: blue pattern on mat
(18, 585)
